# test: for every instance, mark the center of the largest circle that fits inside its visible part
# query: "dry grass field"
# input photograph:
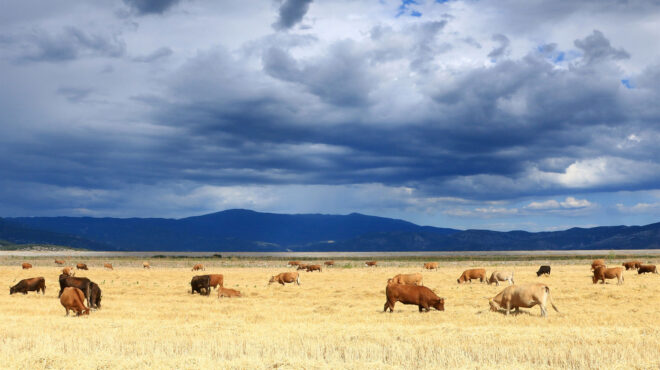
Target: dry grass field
(333, 320)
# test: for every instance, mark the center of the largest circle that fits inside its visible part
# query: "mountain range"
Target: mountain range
(245, 230)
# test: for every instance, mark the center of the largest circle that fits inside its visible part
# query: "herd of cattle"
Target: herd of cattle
(404, 288)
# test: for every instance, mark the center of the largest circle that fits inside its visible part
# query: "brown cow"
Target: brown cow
(526, 296)
(602, 273)
(329, 263)
(631, 265)
(198, 267)
(29, 285)
(293, 263)
(285, 277)
(302, 266)
(74, 299)
(431, 265)
(26, 266)
(108, 266)
(371, 263)
(470, 274)
(421, 296)
(406, 279)
(68, 271)
(59, 262)
(217, 280)
(311, 268)
(81, 266)
(226, 292)
(647, 268)
(597, 263)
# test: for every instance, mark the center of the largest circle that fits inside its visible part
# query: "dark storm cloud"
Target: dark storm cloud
(597, 48)
(290, 13)
(144, 7)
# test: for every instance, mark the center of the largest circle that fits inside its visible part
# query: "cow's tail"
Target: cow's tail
(547, 291)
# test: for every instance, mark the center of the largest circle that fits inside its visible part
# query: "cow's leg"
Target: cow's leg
(543, 310)
(508, 308)
(67, 311)
(497, 282)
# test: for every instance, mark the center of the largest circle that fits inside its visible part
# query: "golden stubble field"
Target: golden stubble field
(333, 320)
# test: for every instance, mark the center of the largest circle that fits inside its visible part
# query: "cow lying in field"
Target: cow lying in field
(526, 296)
(469, 275)
(498, 276)
(421, 296)
(29, 285)
(226, 292)
(602, 273)
(73, 299)
(285, 277)
(647, 268)
(407, 279)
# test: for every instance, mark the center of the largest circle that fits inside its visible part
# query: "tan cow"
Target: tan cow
(73, 299)
(406, 279)
(602, 273)
(371, 263)
(59, 262)
(108, 266)
(431, 265)
(216, 280)
(498, 276)
(311, 268)
(470, 274)
(526, 296)
(329, 263)
(68, 271)
(226, 292)
(285, 277)
(597, 263)
(26, 266)
(146, 265)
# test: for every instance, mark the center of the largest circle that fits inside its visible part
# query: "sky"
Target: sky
(489, 114)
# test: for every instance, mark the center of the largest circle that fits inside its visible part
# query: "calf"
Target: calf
(647, 268)
(29, 285)
(431, 265)
(498, 276)
(73, 299)
(311, 268)
(285, 277)
(407, 279)
(421, 296)
(526, 296)
(543, 270)
(468, 275)
(602, 273)
(26, 266)
(199, 283)
(597, 263)
(226, 292)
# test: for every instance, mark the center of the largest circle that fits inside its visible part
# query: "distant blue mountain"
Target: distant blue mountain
(244, 230)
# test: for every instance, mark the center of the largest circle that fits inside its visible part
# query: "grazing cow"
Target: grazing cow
(146, 265)
(94, 296)
(329, 263)
(26, 266)
(82, 283)
(407, 279)
(470, 274)
(545, 269)
(198, 267)
(498, 276)
(81, 266)
(371, 263)
(59, 262)
(73, 299)
(632, 265)
(285, 277)
(68, 271)
(597, 263)
(602, 273)
(302, 266)
(431, 265)
(108, 266)
(311, 268)
(216, 280)
(29, 285)
(526, 296)
(226, 292)
(421, 296)
(293, 263)
(647, 268)
(199, 283)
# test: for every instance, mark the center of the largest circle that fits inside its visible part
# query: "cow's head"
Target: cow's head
(461, 279)
(439, 304)
(493, 306)
(12, 290)
(272, 280)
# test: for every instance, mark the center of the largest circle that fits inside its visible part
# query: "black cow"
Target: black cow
(543, 270)
(201, 282)
(29, 285)
(647, 268)
(94, 295)
(81, 283)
